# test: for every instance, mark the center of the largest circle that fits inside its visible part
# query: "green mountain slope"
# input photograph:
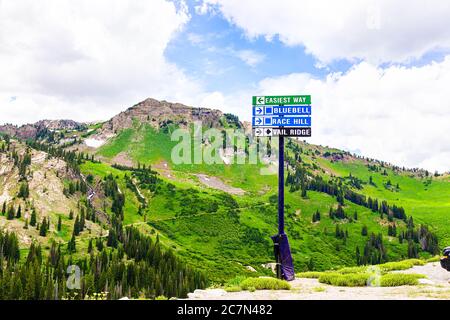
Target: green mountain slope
(228, 240)
(219, 218)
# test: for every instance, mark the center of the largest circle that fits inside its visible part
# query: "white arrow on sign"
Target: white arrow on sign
(259, 110)
(259, 132)
(258, 120)
(259, 100)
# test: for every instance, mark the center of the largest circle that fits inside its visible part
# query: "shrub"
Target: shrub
(347, 270)
(233, 289)
(345, 280)
(433, 259)
(309, 274)
(265, 284)
(401, 265)
(236, 281)
(400, 279)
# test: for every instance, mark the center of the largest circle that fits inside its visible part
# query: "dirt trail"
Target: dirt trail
(218, 184)
(209, 181)
(436, 286)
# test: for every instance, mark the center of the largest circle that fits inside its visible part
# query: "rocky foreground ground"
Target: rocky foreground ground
(435, 286)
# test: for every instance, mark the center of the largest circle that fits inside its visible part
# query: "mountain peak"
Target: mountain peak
(158, 113)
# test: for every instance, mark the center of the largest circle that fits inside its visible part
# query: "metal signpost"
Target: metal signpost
(282, 116)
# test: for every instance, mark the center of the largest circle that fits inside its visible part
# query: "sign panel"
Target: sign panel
(276, 121)
(281, 100)
(281, 110)
(282, 132)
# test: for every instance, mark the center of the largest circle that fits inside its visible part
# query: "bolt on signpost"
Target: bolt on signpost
(282, 116)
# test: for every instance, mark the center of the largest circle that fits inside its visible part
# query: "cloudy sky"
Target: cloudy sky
(378, 70)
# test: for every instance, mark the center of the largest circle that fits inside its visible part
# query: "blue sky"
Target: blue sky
(208, 49)
(376, 69)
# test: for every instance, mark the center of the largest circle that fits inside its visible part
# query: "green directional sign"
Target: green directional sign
(281, 100)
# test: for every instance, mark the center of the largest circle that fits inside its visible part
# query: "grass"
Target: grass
(401, 265)
(233, 289)
(309, 274)
(400, 279)
(383, 268)
(265, 284)
(319, 289)
(344, 280)
(433, 259)
(240, 283)
(366, 279)
(366, 275)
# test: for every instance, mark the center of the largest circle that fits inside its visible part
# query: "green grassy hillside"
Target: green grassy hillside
(226, 239)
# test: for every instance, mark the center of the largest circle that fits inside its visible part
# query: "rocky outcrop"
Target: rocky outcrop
(60, 125)
(160, 113)
(32, 131)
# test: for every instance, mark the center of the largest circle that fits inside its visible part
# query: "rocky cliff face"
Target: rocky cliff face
(31, 131)
(158, 113)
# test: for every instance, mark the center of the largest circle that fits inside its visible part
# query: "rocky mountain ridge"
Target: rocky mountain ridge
(32, 131)
(160, 113)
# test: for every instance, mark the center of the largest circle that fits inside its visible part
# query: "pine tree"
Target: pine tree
(59, 223)
(364, 231)
(76, 227)
(338, 232)
(33, 218)
(24, 191)
(90, 246)
(71, 215)
(358, 256)
(82, 221)
(43, 228)
(19, 212)
(10, 215)
(71, 246)
(4, 208)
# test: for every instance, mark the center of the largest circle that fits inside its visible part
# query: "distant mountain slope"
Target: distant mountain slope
(34, 183)
(40, 128)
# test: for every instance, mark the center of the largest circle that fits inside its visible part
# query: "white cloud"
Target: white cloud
(250, 57)
(397, 114)
(89, 59)
(373, 30)
(195, 38)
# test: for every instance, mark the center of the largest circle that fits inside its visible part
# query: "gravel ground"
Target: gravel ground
(435, 286)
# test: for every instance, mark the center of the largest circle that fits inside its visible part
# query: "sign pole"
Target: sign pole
(282, 116)
(281, 186)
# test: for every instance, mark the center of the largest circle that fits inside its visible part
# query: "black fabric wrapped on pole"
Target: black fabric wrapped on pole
(445, 261)
(285, 267)
(283, 257)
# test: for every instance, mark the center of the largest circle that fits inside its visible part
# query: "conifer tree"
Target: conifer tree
(76, 227)
(82, 220)
(19, 212)
(10, 215)
(59, 223)
(358, 256)
(33, 218)
(364, 231)
(24, 191)
(71, 246)
(4, 208)
(43, 228)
